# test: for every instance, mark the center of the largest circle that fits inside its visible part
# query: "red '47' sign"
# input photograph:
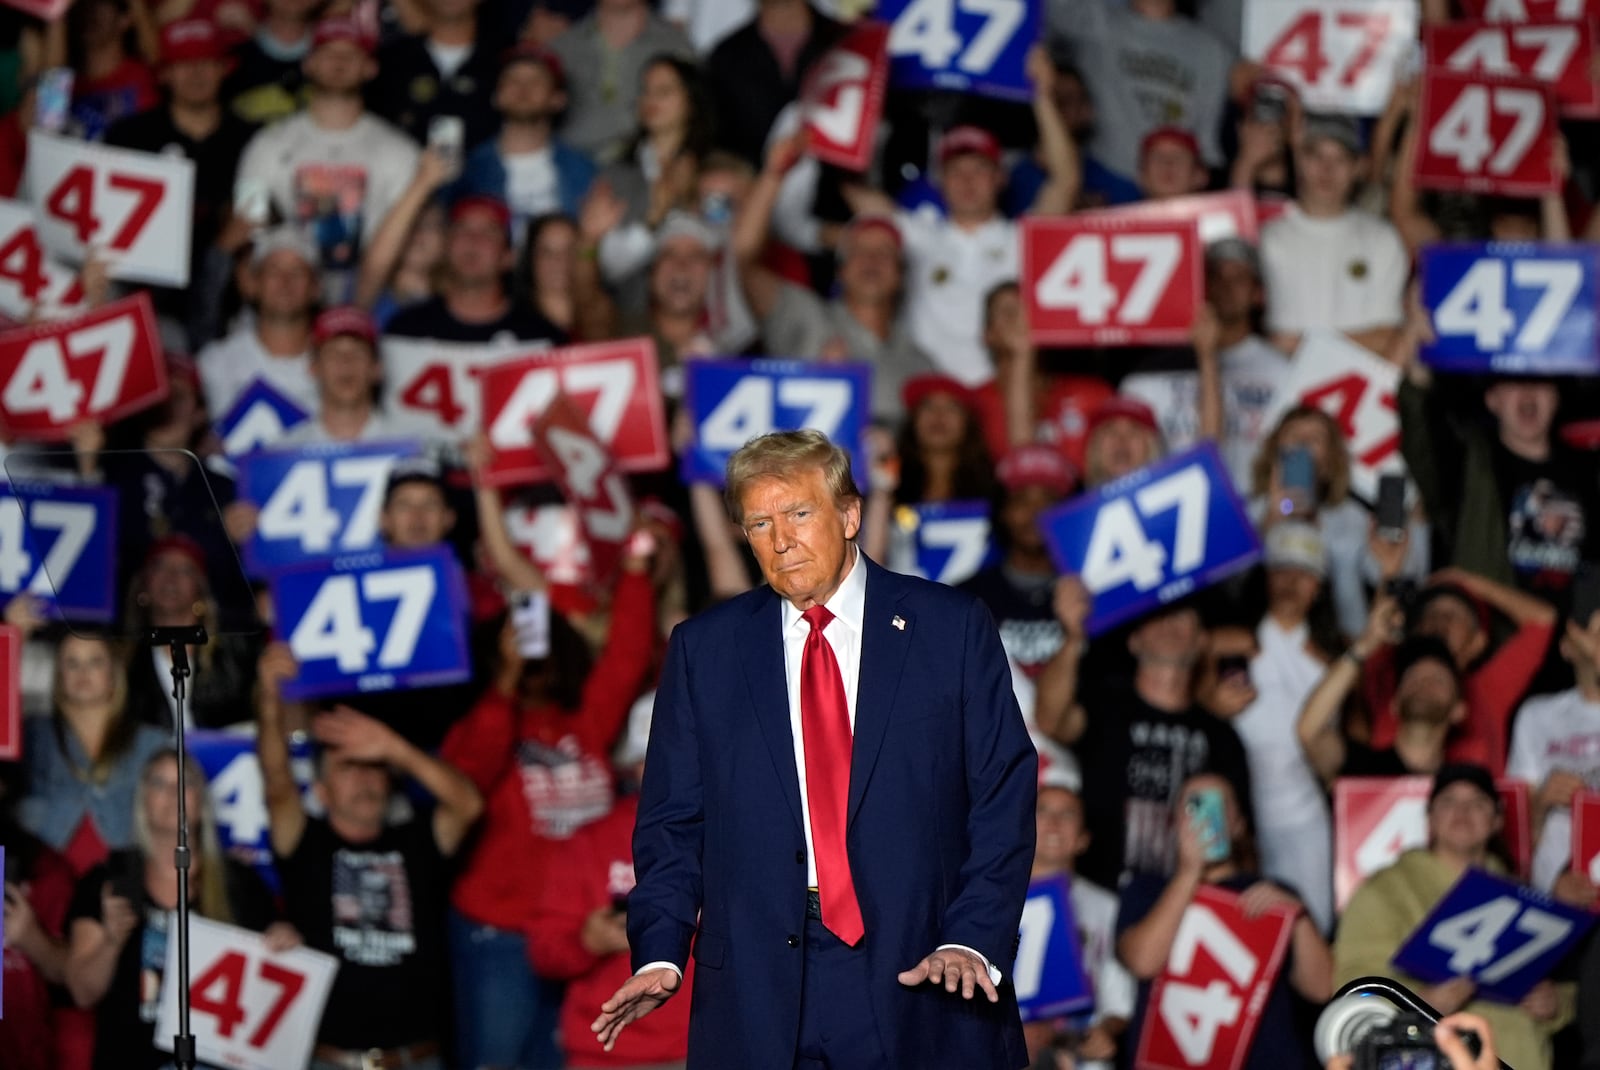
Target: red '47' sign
(1227, 214)
(615, 385)
(100, 367)
(29, 279)
(1339, 55)
(43, 10)
(1557, 54)
(1205, 1006)
(1532, 10)
(589, 480)
(1105, 280)
(1586, 834)
(843, 97)
(1486, 135)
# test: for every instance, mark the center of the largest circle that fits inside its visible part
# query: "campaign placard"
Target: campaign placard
(1503, 935)
(1586, 834)
(590, 481)
(733, 401)
(947, 542)
(1153, 536)
(317, 501)
(1532, 10)
(58, 543)
(250, 1008)
(1480, 134)
(1559, 54)
(1110, 280)
(966, 46)
(615, 385)
(1048, 974)
(238, 797)
(431, 389)
(841, 103)
(1338, 55)
(383, 621)
(258, 418)
(1217, 216)
(134, 209)
(1206, 1005)
(29, 277)
(1512, 307)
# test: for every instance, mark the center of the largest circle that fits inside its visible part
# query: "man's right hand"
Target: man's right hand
(641, 994)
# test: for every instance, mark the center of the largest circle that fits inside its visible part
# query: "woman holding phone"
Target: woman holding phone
(1215, 849)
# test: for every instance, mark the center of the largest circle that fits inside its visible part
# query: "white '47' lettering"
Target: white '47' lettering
(332, 626)
(1119, 550)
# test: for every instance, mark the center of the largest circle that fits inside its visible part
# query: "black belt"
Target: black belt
(813, 904)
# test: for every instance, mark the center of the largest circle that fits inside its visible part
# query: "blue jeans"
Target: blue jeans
(505, 1014)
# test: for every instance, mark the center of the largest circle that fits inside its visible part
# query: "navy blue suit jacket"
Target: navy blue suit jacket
(940, 834)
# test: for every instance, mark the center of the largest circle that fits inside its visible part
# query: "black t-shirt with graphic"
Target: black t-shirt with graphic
(1023, 610)
(378, 907)
(125, 1017)
(1552, 511)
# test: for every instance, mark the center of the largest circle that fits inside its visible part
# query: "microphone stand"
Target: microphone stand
(177, 641)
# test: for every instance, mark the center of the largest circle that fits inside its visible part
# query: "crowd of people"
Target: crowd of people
(539, 173)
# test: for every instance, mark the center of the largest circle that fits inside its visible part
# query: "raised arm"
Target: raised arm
(1318, 727)
(753, 223)
(286, 815)
(514, 568)
(1205, 337)
(1056, 147)
(1405, 206)
(725, 566)
(1144, 946)
(1525, 610)
(383, 253)
(1056, 709)
(1554, 225)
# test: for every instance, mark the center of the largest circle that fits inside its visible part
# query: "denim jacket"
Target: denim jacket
(58, 799)
(484, 172)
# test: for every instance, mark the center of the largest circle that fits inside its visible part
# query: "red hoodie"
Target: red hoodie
(596, 867)
(546, 772)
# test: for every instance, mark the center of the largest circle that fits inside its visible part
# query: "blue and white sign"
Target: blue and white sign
(1505, 307)
(258, 419)
(947, 541)
(384, 621)
(733, 401)
(238, 796)
(1504, 936)
(1153, 536)
(59, 544)
(968, 46)
(317, 501)
(1048, 974)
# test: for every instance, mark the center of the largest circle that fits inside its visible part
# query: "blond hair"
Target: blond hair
(1338, 461)
(788, 455)
(212, 899)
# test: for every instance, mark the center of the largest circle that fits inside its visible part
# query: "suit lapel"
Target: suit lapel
(885, 641)
(762, 658)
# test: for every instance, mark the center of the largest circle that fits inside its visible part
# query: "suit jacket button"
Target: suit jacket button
(800, 858)
(794, 941)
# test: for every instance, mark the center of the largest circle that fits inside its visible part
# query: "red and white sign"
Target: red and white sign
(10, 693)
(1532, 10)
(250, 1008)
(842, 100)
(1557, 54)
(1108, 281)
(102, 367)
(1586, 834)
(430, 388)
(550, 534)
(30, 280)
(1339, 55)
(615, 385)
(43, 10)
(1377, 819)
(1355, 387)
(1486, 135)
(134, 209)
(589, 479)
(1205, 1006)
(1216, 216)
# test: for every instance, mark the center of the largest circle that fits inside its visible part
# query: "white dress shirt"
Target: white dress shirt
(848, 606)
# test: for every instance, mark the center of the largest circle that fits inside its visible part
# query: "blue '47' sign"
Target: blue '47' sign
(238, 796)
(1153, 536)
(1504, 936)
(733, 401)
(1048, 974)
(257, 419)
(59, 543)
(316, 501)
(1512, 307)
(376, 622)
(947, 541)
(969, 46)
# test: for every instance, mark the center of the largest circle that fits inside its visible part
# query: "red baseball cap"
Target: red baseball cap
(1122, 407)
(1178, 134)
(872, 221)
(342, 321)
(191, 39)
(533, 52)
(481, 202)
(920, 388)
(177, 544)
(1036, 466)
(965, 140)
(330, 30)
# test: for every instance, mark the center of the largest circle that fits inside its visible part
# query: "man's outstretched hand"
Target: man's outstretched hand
(641, 994)
(956, 970)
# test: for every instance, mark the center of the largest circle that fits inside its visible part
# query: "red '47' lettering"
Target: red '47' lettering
(73, 202)
(1346, 393)
(227, 1007)
(433, 391)
(1300, 48)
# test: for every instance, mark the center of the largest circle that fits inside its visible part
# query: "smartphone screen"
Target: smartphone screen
(447, 134)
(1392, 506)
(1299, 478)
(1206, 813)
(530, 618)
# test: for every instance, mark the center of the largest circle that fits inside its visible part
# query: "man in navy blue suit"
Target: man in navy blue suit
(838, 812)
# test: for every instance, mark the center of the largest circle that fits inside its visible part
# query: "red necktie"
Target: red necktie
(825, 728)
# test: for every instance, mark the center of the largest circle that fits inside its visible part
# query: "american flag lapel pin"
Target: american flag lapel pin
(899, 623)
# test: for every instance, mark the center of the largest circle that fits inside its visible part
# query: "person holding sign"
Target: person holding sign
(1215, 849)
(1463, 819)
(368, 892)
(799, 731)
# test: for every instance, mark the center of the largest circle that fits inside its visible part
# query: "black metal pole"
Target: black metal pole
(177, 641)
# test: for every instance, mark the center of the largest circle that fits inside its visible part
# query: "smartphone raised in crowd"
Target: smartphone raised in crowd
(1207, 814)
(447, 134)
(1392, 507)
(1299, 480)
(52, 99)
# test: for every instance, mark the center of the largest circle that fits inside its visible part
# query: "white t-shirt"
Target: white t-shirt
(1551, 733)
(448, 58)
(949, 272)
(1347, 273)
(532, 187)
(314, 433)
(228, 367)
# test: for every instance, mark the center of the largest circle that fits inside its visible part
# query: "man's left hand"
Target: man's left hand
(955, 969)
